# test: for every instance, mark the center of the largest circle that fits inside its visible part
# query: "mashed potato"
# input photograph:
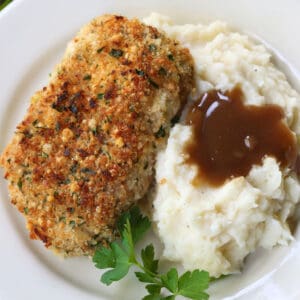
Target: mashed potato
(215, 228)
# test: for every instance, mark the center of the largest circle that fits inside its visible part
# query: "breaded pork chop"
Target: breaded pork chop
(86, 148)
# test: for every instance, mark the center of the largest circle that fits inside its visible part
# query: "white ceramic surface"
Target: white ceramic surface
(33, 35)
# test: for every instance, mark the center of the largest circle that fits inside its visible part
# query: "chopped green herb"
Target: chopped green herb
(35, 122)
(88, 171)
(152, 47)
(146, 165)
(100, 96)
(62, 219)
(140, 72)
(80, 224)
(94, 131)
(171, 57)
(66, 181)
(27, 134)
(100, 49)
(131, 108)
(58, 107)
(26, 172)
(57, 126)
(73, 108)
(71, 209)
(44, 155)
(87, 77)
(120, 256)
(116, 53)
(162, 71)
(29, 179)
(106, 153)
(92, 103)
(153, 83)
(26, 210)
(72, 223)
(20, 184)
(160, 133)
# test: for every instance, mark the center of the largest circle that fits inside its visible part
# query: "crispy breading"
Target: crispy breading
(86, 148)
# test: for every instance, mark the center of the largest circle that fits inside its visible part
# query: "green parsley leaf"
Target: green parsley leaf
(139, 223)
(172, 297)
(121, 268)
(149, 262)
(127, 241)
(120, 256)
(104, 258)
(139, 227)
(144, 277)
(170, 280)
(153, 288)
(192, 284)
(153, 297)
(4, 3)
(119, 272)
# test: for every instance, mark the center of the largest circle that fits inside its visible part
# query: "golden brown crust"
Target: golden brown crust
(86, 148)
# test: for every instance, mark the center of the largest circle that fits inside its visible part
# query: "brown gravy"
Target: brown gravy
(230, 137)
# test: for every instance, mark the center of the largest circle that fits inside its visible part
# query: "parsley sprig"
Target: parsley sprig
(120, 256)
(4, 3)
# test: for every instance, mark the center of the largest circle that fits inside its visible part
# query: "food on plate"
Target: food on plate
(211, 220)
(121, 255)
(86, 148)
(227, 177)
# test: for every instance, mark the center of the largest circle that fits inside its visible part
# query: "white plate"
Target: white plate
(33, 35)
